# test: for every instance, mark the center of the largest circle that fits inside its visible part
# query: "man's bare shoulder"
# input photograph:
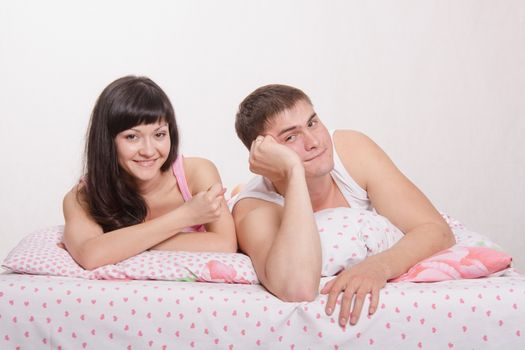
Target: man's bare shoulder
(255, 207)
(351, 138)
(358, 153)
(256, 221)
(351, 144)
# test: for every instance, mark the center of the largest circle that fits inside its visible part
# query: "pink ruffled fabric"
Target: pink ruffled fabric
(456, 263)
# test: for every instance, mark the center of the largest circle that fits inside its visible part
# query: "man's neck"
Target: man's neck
(321, 190)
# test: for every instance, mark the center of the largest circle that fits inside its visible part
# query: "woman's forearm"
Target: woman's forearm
(115, 246)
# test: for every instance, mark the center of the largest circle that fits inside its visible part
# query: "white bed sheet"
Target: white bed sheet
(41, 312)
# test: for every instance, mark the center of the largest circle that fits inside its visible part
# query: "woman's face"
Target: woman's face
(143, 149)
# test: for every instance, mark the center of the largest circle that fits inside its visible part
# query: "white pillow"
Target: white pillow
(349, 235)
(39, 253)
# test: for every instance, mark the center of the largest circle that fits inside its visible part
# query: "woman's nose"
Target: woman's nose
(147, 149)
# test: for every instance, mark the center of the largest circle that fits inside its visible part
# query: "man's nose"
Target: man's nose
(310, 141)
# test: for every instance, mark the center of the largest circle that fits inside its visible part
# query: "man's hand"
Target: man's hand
(271, 159)
(355, 283)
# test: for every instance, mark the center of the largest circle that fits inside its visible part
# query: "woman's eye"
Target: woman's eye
(131, 137)
(160, 135)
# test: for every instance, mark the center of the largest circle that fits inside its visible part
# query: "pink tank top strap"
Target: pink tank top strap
(178, 171)
(180, 176)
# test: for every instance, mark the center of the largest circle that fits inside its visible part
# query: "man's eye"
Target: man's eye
(290, 138)
(312, 123)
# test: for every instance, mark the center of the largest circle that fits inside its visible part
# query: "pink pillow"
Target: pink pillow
(39, 253)
(457, 262)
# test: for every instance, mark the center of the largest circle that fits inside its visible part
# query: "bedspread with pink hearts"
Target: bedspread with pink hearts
(60, 313)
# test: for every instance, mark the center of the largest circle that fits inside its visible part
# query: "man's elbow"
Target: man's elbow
(298, 292)
(450, 241)
(447, 237)
(298, 296)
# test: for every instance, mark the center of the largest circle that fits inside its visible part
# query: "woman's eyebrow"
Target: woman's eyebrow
(160, 127)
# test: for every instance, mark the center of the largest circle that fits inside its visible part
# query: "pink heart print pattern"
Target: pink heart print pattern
(49, 312)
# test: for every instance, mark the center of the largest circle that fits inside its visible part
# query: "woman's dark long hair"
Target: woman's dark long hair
(111, 197)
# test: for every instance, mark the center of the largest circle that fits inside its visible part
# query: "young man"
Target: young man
(302, 169)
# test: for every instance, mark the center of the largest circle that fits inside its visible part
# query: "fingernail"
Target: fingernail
(329, 311)
(353, 320)
(343, 321)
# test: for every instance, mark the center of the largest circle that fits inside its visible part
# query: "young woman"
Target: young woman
(137, 192)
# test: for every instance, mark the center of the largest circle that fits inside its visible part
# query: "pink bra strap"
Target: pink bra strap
(178, 171)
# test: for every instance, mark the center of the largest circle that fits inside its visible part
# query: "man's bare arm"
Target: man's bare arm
(283, 242)
(396, 198)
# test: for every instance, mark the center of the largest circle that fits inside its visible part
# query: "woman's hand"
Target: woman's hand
(205, 206)
(271, 159)
(355, 283)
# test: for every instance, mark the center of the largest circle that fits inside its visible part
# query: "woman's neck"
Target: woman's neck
(152, 186)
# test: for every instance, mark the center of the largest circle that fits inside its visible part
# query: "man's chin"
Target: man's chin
(317, 171)
(321, 162)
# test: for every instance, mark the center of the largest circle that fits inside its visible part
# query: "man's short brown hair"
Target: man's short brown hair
(259, 107)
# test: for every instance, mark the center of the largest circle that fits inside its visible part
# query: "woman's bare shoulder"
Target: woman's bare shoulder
(197, 163)
(75, 197)
(201, 173)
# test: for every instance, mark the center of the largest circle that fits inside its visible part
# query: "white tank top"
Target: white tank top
(261, 188)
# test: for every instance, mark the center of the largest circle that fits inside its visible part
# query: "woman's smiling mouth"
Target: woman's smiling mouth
(145, 163)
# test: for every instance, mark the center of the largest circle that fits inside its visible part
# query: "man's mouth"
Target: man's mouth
(316, 156)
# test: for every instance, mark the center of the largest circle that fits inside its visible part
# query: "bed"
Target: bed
(54, 312)
(177, 300)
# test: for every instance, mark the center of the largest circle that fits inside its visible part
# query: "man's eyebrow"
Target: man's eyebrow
(284, 131)
(312, 117)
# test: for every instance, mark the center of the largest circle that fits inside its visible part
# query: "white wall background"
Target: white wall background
(438, 84)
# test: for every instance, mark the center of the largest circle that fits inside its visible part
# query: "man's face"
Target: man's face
(300, 129)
